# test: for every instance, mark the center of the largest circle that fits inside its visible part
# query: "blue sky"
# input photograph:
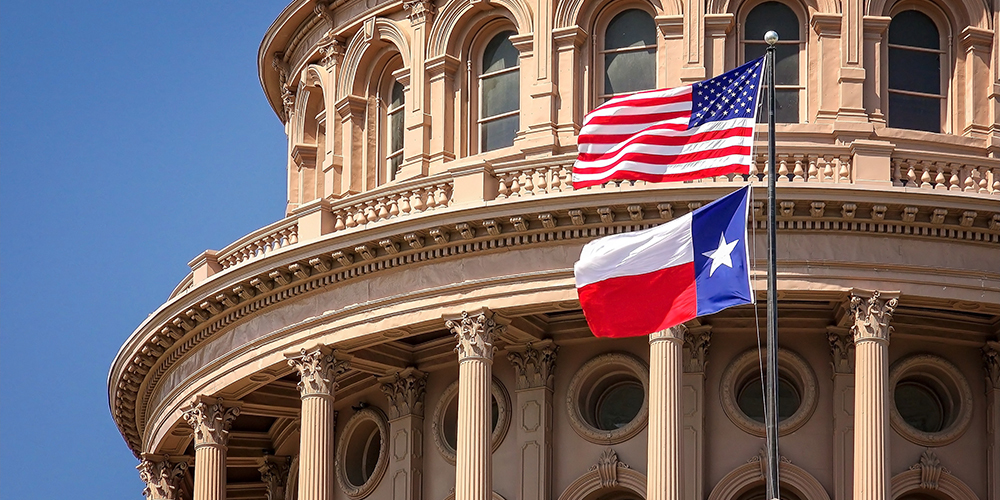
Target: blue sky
(133, 136)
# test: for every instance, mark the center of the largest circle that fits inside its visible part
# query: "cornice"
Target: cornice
(226, 298)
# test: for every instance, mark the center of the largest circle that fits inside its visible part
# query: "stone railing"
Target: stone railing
(945, 175)
(260, 243)
(386, 202)
(514, 182)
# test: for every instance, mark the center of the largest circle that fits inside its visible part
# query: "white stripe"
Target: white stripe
(662, 169)
(646, 94)
(654, 149)
(633, 110)
(632, 254)
(631, 128)
(638, 129)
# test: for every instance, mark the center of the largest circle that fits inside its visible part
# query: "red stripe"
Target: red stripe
(671, 140)
(666, 159)
(615, 139)
(636, 100)
(628, 175)
(650, 118)
(627, 306)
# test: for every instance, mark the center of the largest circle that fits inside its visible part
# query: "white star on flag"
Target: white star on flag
(721, 256)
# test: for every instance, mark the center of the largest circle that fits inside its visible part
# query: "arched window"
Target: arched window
(628, 54)
(394, 130)
(788, 90)
(915, 90)
(499, 93)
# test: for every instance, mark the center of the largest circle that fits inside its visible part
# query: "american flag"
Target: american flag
(690, 132)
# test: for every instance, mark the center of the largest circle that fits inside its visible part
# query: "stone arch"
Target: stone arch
(810, 6)
(751, 474)
(928, 475)
(963, 13)
(444, 34)
(375, 31)
(582, 12)
(607, 476)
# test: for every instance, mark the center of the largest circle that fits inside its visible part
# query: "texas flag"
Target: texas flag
(645, 281)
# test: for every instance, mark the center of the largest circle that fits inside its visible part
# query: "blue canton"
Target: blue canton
(730, 95)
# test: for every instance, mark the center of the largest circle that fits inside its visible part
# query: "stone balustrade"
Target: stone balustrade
(938, 175)
(260, 243)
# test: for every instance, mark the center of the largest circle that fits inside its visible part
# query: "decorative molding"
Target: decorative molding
(318, 369)
(871, 312)
(790, 365)
(210, 419)
(420, 11)
(991, 363)
(405, 391)
(164, 479)
(930, 469)
(534, 364)
(607, 468)
(928, 474)
(841, 349)
(582, 384)
(696, 344)
(274, 473)
(751, 474)
(673, 333)
(476, 334)
(357, 491)
(331, 49)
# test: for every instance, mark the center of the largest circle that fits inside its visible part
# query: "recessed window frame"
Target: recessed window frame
(476, 76)
(951, 390)
(581, 394)
(942, 23)
(803, 86)
(608, 14)
(746, 367)
(499, 394)
(387, 73)
(368, 414)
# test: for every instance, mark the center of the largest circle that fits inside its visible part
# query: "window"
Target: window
(445, 420)
(931, 400)
(499, 93)
(782, 19)
(743, 394)
(607, 399)
(394, 130)
(362, 453)
(629, 54)
(915, 90)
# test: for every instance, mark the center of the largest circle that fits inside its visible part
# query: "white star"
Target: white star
(721, 256)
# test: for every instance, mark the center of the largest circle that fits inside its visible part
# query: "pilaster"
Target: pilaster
(210, 418)
(405, 392)
(842, 361)
(874, 29)
(871, 313)
(977, 44)
(441, 71)
(418, 120)
(534, 366)
(352, 110)
(569, 115)
(991, 365)
(164, 478)
(274, 474)
(474, 454)
(318, 369)
(828, 29)
(664, 450)
(696, 343)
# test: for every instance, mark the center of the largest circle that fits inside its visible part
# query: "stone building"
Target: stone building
(410, 330)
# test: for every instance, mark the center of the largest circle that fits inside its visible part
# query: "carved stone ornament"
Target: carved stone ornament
(534, 364)
(991, 363)
(475, 335)
(696, 350)
(607, 467)
(871, 316)
(287, 101)
(421, 11)
(163, 479)
(841, 350)
(274, 474)
(930, 470)
(322, 9)
(405, 391)
(331, 49)
(318, 369)
(672, 333)
(210, 421)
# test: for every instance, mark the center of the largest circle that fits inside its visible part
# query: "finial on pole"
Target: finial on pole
(771, 37)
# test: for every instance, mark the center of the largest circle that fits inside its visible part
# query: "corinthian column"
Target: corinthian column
(666, 357)
(534, 365)
(991, 362)
(696, 342)
(210, 418)
(405, 391)
(163, 478)
(474, 455)
(318, 368)
(871, 313)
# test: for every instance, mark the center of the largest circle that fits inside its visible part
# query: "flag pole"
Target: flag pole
(771, 397)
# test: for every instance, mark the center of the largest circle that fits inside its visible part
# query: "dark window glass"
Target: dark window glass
(618, 405)
(915, 112)
(630, 53)
(919, 406)
(499, 133)
(500, 94)
(363, 448)
(915, 71)
(751, 399)
(772, 16)
(500, 53)
(915, 93)
(395, 119)
(915, 29)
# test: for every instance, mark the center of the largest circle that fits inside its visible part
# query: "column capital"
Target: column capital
(318, 369)
(672, 333)
(421, 11)
(163, 478)
(991, 363)
(476, 334)
(841, 349)
(274, 474)
(211, 418)
(696, 343)
(405, 391)
(534, 363)
(871, 313)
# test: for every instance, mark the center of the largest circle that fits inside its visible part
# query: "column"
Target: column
(842, 352)
(534, 364)
(164, 479)
(991, 362)
(664, 451)
(210, 418)
(474, 455)
(871, 313)
(274, 474)
(696, 342)
(318, 368)
(418, 118)
(405, 391)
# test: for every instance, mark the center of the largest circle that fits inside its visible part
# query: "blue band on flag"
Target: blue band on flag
(721, 264)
